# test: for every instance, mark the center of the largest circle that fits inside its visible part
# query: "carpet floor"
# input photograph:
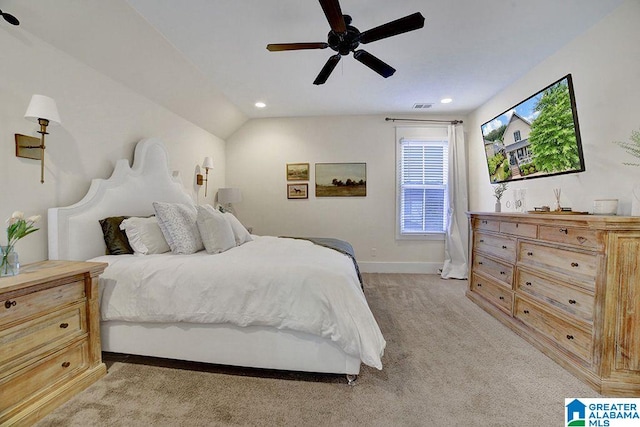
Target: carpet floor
(447, 363)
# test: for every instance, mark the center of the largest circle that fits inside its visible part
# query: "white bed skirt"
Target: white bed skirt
(251, 346)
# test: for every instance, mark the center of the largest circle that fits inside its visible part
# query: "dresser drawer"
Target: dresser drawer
(573, 263)
(26, 305)
(26, 383)
(498, 246)
(487, 224)
(568, 336)
(567, 298)
(498, 270)
(496, 294)
(23, 342)
(519, 229)
(582, 237)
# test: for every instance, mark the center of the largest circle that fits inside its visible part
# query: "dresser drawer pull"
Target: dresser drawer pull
(574, 264)
(8, 304)
(572, 301)
(581, 239)
(479, 285)
(569, 337)
(564, 230)
(526, 311)
(502, 298)
(504, 247)
(502, 272)
(529, 253)
(64, 325)
(481, 240)
(66, 364)
(480, 263)
(528, 283)
(484, 221)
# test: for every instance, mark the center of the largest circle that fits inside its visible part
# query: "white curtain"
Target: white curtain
(457, 237)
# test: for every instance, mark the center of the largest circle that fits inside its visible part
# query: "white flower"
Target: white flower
(34, 218)
(17, 215)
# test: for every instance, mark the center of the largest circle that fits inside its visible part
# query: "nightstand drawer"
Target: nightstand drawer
(26, 305)
(496, 294)
(495, 269)
(498, 246)
(567, 298)
(567, 335)
(23, 342)
(519, 229)
(570, 235)
(575, 264)
(26, 383)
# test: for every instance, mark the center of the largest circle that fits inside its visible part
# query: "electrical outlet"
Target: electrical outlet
(374, 252)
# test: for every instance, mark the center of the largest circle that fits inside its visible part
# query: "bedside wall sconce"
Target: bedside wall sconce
(207, 164)
(43, 111)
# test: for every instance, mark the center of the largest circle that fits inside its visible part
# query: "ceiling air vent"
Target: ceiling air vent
(422, 105)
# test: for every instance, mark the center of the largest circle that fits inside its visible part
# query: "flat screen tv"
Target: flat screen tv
(536, 138)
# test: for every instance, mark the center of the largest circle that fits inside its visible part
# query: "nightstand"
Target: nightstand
(49, 336)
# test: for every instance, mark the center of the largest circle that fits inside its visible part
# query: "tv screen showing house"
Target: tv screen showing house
(536, 138)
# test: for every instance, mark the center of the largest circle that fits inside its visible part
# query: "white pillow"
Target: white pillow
(240, 233)
(145, 236)
(178, 224)
(215, 231)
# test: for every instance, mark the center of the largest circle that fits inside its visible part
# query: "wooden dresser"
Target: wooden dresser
(49, 337)
(568, 284)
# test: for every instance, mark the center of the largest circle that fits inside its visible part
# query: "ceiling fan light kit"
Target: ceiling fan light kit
(9, 18)
(345, 38)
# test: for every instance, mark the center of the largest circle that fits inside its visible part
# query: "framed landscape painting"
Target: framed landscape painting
(297, 191)
(341, 179)
(297, 171)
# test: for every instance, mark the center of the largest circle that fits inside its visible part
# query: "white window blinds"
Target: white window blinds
(422, 182)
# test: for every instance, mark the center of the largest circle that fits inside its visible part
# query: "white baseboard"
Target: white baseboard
(400, 267)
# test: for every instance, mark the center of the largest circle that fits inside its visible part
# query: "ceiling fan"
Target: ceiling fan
(345, 38)
(10, 18)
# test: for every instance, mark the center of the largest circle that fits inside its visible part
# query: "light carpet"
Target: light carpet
(447, 363)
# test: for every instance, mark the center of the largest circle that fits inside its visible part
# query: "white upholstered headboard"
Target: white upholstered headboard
(74, 231)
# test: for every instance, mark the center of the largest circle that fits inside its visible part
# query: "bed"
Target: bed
(307, 280)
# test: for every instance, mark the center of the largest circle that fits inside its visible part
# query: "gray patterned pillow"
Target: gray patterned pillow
(178, 224)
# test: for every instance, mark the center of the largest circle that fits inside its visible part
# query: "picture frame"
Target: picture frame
(341, 179)
(297, 171)
(297, 191)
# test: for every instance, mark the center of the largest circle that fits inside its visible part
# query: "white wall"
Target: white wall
(257, 155)
(605, 65)
(101, 123)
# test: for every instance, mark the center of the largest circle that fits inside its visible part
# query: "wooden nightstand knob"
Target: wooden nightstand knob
(64, 325)
(66, 364)
(8, 304)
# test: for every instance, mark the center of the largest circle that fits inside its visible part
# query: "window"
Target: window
(516, 136)
(422, 187)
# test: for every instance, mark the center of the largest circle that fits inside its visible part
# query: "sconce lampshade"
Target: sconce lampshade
(208, 163)
(229, 195)
(42, 107)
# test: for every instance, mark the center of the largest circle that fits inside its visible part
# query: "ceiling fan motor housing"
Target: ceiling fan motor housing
(343, 43)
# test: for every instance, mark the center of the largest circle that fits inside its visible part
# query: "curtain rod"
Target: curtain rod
(453, 122)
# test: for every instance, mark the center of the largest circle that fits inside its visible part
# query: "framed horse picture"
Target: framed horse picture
(297, 191)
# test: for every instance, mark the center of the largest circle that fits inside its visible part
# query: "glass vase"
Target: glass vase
(9, 264)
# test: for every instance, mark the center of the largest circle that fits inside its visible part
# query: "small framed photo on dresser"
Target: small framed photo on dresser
(297, 191)
(297, 171)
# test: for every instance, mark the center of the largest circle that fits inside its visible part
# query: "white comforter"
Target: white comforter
(284, 283)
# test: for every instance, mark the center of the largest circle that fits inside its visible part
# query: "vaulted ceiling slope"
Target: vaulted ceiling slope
(206, 60)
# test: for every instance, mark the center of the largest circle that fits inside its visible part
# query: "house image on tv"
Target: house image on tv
(576, 412)
(516, 143)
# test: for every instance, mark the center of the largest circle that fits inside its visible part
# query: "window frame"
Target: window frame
(426, 138)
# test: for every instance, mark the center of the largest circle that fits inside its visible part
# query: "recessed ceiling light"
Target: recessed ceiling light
(260, 104)
(446, 100)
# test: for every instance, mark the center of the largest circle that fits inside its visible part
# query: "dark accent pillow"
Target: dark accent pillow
(115, 239)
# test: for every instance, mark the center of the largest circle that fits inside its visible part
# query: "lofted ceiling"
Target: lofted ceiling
(204, 57)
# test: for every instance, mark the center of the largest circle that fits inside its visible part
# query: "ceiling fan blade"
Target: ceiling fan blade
(393, 28)
(327, 69)
(277, 47)
(333, 13)
(380, 67)
(10, 18)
